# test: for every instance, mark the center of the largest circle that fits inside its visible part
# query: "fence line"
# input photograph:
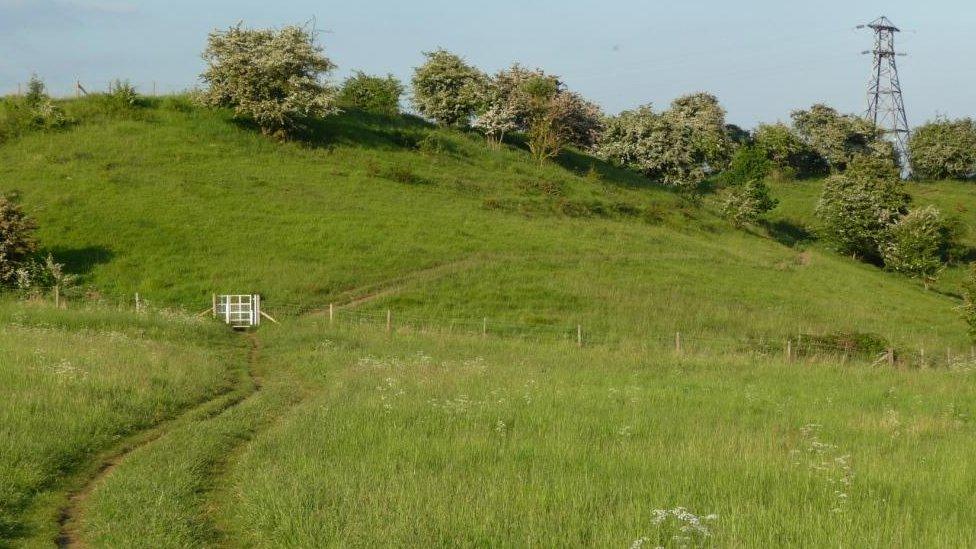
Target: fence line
(79, 88)
(798, 348)
(793, 348)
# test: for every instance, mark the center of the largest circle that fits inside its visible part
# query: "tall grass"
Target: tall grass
(418, 441)
(75, 383)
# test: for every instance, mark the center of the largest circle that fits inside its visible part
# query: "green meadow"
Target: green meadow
(477, 419)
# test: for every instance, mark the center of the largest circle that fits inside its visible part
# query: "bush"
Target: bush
(124, 94)
(968, 308)
(677, 147)
(34, 278)
(857, 344)
(270, 76)
(17, 242)
(874, 168)
(918, 244)
(788, 153)
(558, 117)
(530, 101)
(749, 163)
(944, 149)
(856, 208)
(35, 111)
(446, 89)
(749, 203)
(839, 137)
(375, 94)
(704, 117)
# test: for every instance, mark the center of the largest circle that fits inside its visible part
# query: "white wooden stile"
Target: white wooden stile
(239, 311)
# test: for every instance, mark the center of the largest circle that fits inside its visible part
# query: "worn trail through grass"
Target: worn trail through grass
(71, 515)
(166, 493)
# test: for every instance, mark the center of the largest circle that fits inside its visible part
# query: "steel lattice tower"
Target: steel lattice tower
(886, 108)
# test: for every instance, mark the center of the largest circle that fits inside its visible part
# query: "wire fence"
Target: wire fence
(805, 348)
(79, 88)
(799, 348)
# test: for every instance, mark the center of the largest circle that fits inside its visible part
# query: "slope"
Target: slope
(175, 202)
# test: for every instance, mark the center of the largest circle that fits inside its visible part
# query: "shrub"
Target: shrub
(677, 147)
(577, 121)
(505, 105)
(748, 203)
(738, 136)
(375, 94)
(270, 76)
(749, 163)
(518, 99)
(446, 89)
(858, 344)
(34, 278)
(839, 137)
(17, 242)
(872, 167)
(968, 308)
(35, 111)
(788, 153)
(944, 149)
(124, 94)
(496, 119)
(856, 208)
(702, 114)
(918, 244)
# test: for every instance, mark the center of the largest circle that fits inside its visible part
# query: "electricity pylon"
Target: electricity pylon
(886, 108)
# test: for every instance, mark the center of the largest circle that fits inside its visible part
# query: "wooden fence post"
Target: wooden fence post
(579, 335)
(789, 350)
(213, 306)
(677, 342)
(891, 356)
(57, 296)
(389, 321)
(138, 304)
(331, 313)
(484, 327)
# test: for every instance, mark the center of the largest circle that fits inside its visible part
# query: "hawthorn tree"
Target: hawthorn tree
(856, 208)
(917, 244)
(705, 116)
(447, 90)
(374, 94)
(839, 137)
(784, 148)
(539, 105)
(748, 203)
(677, 147)
(274, 77)
(17, 242)
(944, 149)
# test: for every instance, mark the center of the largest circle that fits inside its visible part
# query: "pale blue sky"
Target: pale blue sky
(762, 58)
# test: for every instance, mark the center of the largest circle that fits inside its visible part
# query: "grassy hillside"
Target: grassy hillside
(176, 202)
(340, 433)
(956, 200)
